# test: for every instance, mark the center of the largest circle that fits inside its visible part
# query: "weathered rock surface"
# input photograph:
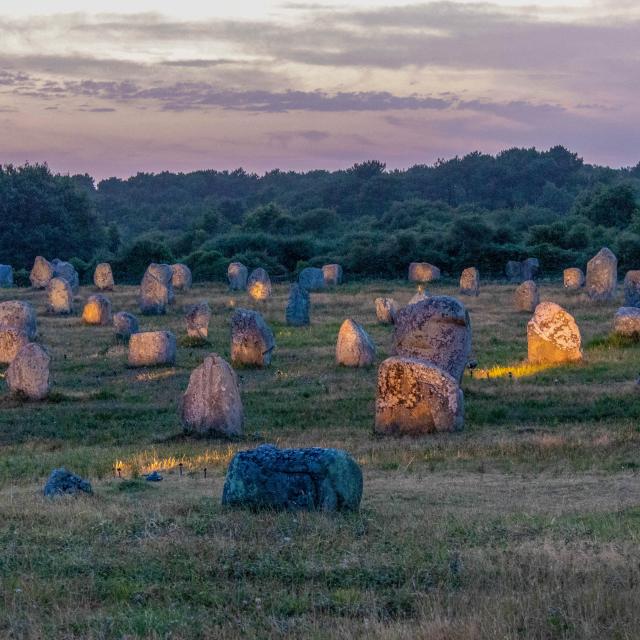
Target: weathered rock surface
(28, 374)
(354, 347)
(59, 296)
(63, 482)
(513, 271)
(125, 324)
(530, 268)
(423, 272)
(627, 321)
(526, 297)
(150, 348)
(419, 296)
(197, 318)
(156, 289)
(297, 312)
(181, 277)
(252, 340)
(553, 336)
(97, 310)
(470, 282)
(66, 271)
(259, 285)
(602, 276)
(332, 274)
(386, 310)
(436, 330)
(415, 397)
(573, 278)
(293, 479)
(312, 279)
(632, 289)
(237, 275)
(20, 315)
(12, 339)
(212, 403)
(103, 277)
(6, 276)
(41, 273)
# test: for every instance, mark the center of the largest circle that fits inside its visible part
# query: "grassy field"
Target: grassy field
(525, 525)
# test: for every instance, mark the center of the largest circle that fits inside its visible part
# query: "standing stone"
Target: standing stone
(252, 340)
(197, 318)
(354, 347)
(437, 331)
(103, 277)
(530, 268)
(259, 285)
(237, 275)
(125, 324)
(553, 336)
(423, 272)
(514, 271)
(181, 277)
(573, 278)
(632, 289)
(97, 310)
(66, 271)
(602, 276)
(627, 322)
(311, 479)
(6, 276)
(332, 274)
(41, 273)
(297, 313)
(59, 296)
(211, 403)
(526, 297)
(470, 282)
(28, 374)
(312, 279)
(20, 315)
(12, 339)
(386, 310)
(151, 348)
(415, 397)
(156, 290)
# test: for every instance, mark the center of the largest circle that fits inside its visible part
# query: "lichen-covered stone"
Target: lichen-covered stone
(12, 339)
(627, 321)
(293, 479)
(259, 285)
(423, 272)
(470, 282)
(97, 311)
(415, 397)
(41, 273)
(526, 297)
(297, 312)
(530, 268)
(181, 277)
(435, 330)
(20, 315)
(553, 336)
(59, 296)
(63, 482)
(197, 318)
(632, 289)
(386, 310)
(103, 277)
(156, 289)
(237, 275)
(151, 348)
(66, 271)
(125, 324)
(573, 278)
(28, 373)
(6, 276)
(602, 276)
(312, 279)
(252, 340)
(332, 274)
(354, 347)
(212, 403)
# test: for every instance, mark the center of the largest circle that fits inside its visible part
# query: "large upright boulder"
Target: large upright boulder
(20, 315)
(332, 274)
(293, 479)
(28, 373)
(103, 277)
(41, 273)
(553, 336)
(97, 311)
(573, 278)
(513, 270)
(470, 282)
(252, 340)
(125, 324)
(12, 339)
(181, 277)
(526, 297)
(6, 276)
(297, 312)
(632, 289)
(354, 347)
(627, 322)
(436, 330)
(212, 403)
(66, 271)
(259, 285)
(602, 276)
(59, 296)
(312, 279)
(237, 275)
(423, 272)
(197, 319)
(530, 268)
(151, 348)
(386, 310)
(156, 289)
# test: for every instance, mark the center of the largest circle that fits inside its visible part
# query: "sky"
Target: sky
(123, 87)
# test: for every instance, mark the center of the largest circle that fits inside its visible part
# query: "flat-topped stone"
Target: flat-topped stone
(423, 272)
(332, 274)
(627, 322)
(151, 348)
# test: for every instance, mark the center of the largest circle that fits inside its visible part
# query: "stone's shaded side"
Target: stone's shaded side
(125, 324)
(419, 296)
(602, 276)
(293, 479)
(632, 289)
(436, 330)
(12, 339)
(386, 310)
(212, 403)
(470, 282)
(103, 277)
(573, 278)
(259, 285)
(66, 271)
(97, 311)
(627, 322)
(28, 374)
(20, 315)
(530, 268)
(526, 297)
(41, 273)
(6, 276)
(354, 347)
(156, 290)
(59, 296)
(415, 397)
(252, 340)
(332, 274)
(312, 279)
(151, 348)
(553, 336)
(513, 271)
(297, 312)
(237, 275)
(63, 482)
(197, 318)
(423, 272)
(181, 277)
